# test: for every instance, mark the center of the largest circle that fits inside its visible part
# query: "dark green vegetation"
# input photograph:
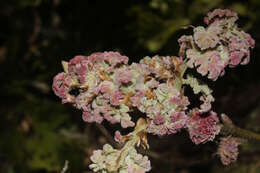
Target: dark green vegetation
(38, 133)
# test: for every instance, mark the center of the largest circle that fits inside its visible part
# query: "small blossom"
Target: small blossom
(106, 87)
(208, 63)
(118, 137)
(219, 13)
(86, 116)
(158, 119)
(178, 121)
(202, 129)
(115, 98)
(123, 75)
(228, 149)
(62, 85)
(58, 85)
(136, 99)
(206, 38)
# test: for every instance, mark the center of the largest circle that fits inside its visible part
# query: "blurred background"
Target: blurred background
(38, 133)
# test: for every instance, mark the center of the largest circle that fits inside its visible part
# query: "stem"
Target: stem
(108, 136)
(140, 126)
(230, 129)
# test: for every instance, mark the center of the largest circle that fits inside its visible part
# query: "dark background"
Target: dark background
(38, 133)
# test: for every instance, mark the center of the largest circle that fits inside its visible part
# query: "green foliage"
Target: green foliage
(160, 20)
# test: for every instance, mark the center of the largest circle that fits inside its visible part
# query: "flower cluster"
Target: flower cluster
(104, 86)
(202, 129)
(218, 45)
(162, 101)
(228, 149)
(109, 160)
(108, 88)
(93, 84)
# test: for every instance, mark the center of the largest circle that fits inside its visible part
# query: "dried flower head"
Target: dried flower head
(228, 149)
(202, 129)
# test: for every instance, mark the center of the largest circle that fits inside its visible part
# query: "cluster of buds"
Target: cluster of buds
(105, 87)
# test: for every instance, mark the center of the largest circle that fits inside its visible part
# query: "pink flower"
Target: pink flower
(58, 85)
(123, 75)
(114, 58)
(215, 67)
(202, 129)
(228, 149)
(97, 117)
(184, 101)
(158, 119)
(79, 65)
(177, 122)
(206, 38)
(136, 99)
(218, 14)
(118, 137)
(61, 87)
(157, 129)
(110, 118)
(106, 87)
(115, 98)
(239, 49)
(235, 58)
(86, 116)
(175, 116)
(208, 63)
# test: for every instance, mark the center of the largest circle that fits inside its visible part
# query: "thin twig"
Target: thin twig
(231, 129)
(108, 136)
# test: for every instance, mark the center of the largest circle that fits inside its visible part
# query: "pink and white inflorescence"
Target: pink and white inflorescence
(104, 86)
(159, 97)
(228, 149)
(218, 45)
(91, 83)
(108, 160)
(202, 129)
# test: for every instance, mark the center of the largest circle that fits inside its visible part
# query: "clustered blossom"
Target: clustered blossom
(110, 160)
(108, 88)
(104, 86)
(159, 96)
(218, 45)
(202, 129)
(228, 149)
(96, 81)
